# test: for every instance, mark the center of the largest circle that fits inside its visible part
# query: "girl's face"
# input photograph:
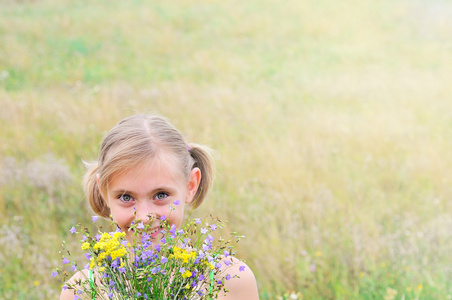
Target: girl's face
(154, 189)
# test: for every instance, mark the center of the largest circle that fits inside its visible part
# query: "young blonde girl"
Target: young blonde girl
(144, 165)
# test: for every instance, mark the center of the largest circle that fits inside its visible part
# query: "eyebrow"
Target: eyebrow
(121, 190)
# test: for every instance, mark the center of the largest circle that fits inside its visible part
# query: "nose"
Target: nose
(145, 212)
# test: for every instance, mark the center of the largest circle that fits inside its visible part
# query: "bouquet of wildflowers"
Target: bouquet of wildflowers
(187, 263)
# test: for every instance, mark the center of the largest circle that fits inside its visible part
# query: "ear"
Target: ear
(193, 184)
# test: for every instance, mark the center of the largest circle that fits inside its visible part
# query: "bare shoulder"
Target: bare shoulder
(78, 279)
(244, 286)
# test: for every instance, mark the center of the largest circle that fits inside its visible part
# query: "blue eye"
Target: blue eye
(161, 196)
(125, 198)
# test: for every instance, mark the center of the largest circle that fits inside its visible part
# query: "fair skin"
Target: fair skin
(149, 190)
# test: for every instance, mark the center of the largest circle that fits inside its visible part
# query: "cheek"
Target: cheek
(177, 216)
(120, 216)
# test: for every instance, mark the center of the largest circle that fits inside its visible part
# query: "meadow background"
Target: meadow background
(331, 121)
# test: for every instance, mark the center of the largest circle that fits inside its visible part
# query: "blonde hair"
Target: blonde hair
(135, 140)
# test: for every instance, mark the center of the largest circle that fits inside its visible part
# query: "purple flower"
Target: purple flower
(204, 230)
(95, 218)
(84, 238)
(64, 287)
(226, 253)
(73, 230)
(227, 262)
(97, 237)
(140, 226)
(145, 237)
(122, 270)
(65, 260)
(242, 268)
(177, 202)
(198, 221)
(87, 255)
(218, 265)
(163, 260)
(201, 277)
(163, 218)
(182, 270)
(228, 277)
(76, 297)
(173, 231)
(74, 268)
(138, 294)
(54, 273)
(115, 263)
(112, 283)
(86, 267)
(219, 282)
(312, 268)
(213, 227)
(209, 239)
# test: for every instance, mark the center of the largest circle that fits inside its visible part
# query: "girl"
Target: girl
(145, 165)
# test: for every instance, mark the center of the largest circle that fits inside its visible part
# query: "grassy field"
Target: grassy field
(331, 121)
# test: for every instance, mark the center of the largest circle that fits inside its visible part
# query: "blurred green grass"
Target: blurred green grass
(331, 122)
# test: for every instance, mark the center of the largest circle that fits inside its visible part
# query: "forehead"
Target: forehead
(158, 170)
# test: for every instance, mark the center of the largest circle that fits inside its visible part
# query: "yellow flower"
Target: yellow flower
(118, 235)
(36, 283)
(85, 246)
(182, 254)
(102, 269)
(101, 257)
(105, 236)
(186, 274)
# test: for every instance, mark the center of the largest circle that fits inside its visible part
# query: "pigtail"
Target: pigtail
(92, 191)
(204, 161)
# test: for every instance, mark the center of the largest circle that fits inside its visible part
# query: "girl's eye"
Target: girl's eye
(161, 196)
(125, 198)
